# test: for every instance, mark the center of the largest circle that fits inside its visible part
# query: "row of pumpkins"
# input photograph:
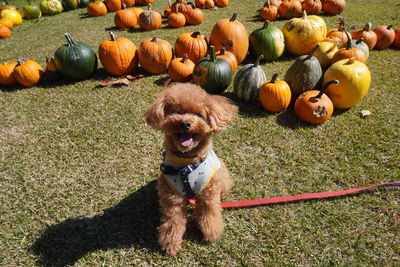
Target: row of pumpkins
(287, 9)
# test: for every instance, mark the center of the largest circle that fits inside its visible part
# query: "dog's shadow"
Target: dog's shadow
(131, 223)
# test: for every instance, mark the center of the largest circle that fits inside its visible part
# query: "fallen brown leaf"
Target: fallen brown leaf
(121, 81)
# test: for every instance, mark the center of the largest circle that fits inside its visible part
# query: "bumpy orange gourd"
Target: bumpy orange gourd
(231, 30)
(290, 9)
(385, 36)
(125, 19)
(180, 69)
(118, 55)
(369, 36)
(28, 72)
(155, 55)
(229, 57)
(149, 19)
(192, 43)
(269, 12)
(312, 7)
(275, 95)
(6, 73)
(314, 106)
(96, 9)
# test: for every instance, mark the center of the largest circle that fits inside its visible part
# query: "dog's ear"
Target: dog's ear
(156, 113)
(221, 112)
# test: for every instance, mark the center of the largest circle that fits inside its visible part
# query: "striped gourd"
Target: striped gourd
(248, 80)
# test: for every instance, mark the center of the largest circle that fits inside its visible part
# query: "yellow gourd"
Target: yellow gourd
(13, 15)
(325, 53)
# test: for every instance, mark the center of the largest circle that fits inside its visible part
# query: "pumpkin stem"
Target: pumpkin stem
(191, 4)
(266, 23)
(195, 34)
(304, 14)
(312, 51)
(20, 62)
(184, 58)
(212, 53)
(70, 40)
(154, 40)
(341, 23)
(149, 6)
(274, 78)
(367, 27)
(234, 17)
(260, 57)
(351, 60)
(113, 36)
(348, 45)
(389, 27)
(222, 51)
(323, 89)
(267, 3)
(360, 40)
(176, 9)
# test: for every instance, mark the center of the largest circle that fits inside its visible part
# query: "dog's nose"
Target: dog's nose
(185, 125)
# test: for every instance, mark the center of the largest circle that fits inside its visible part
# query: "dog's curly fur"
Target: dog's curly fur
(206, 114)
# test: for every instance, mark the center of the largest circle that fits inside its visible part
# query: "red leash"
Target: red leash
(274, 200)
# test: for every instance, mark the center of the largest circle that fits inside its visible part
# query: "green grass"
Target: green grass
(77, 164)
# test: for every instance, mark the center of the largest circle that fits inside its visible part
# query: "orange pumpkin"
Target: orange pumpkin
(7, 22)
(269, 12)
(128, 3)
(222, 3)
(229, 57)
(6, 73)
(96, 9)
(149, 19)
(349, 52)
(180, 69)
(113, 5)
(312, 7)
(208, 4)
(144, 2)
(275, 95)
(333, 7)
(290, 9)
(314, 106)
(396, 42)
(385, 36)
(338, 36)
(192, 43)
(125, 19)
(137, 11)
(200, 3)
(28, 72)
(5, 32)
(231, 30)
(168, 10)
(182, 5)
(369, 36)
(155, 55)
(51, 72)
(118, 55)
(276, 3)
(194, 16)
(176, 19)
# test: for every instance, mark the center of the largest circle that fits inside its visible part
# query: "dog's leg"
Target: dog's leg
(173, 210)
(225, 180)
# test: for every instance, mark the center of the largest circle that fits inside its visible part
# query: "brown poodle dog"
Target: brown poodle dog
(188, 116)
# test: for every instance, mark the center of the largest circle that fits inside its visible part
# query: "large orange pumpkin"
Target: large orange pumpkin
(118, 55)
(149, 19)
(231, 30)
(180, 69)
(28, 72)
(192, 43)
(6, 73)
(155, 55)
(125, 19)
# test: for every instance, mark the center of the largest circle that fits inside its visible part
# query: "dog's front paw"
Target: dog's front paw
(172, 249)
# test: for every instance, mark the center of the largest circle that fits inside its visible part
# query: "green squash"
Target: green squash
(267, 41)
(75, 60)
(70, 4)
(248, 80)
(212, 73)
(304, 74)
(51, 7)
(83, 3)
(32, 11)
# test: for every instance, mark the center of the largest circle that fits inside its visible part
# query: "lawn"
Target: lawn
(78, 163)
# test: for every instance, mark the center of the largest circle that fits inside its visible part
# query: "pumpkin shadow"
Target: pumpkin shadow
(130, 223)
(163, 81)
(289, 120)
(13, 88)
(338, 112)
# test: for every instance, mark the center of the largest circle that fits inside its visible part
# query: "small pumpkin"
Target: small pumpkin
(267, 41)
(368, 35)
(385, 36)
(302, 34)
(75, 60)
(28, 72)
(144, 2)
(5, 32)
(229, 57)
(176, 19)
(113, 5)
(192, 43)
(222, 3)
(200, 3)
(83, 3)
(361, 45)
(149, 19)
(333, 7)
(7, 22)
(231, 30)
(212, 74)
(69, 4)
(275, 94)
(13, 15)
(290, 9)
(97, 8)
(312, 7)
(118, 55)
(128, 3)
(167, 10)
(125, 18)
(340, 36)
(325, 53)
(348, 52)
(315, 106)
(194, 16)
(181, 69)
(248, 80)
(51, 72)
(32, 10)
(51, 7)
(6, 73)
(354, 78)
(155, 55)
(182, 5)
(269, 12)
(208, 4)
(304, 74)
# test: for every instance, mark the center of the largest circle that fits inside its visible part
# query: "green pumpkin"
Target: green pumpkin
(304, 74)
(248, 80)
(212, 73)
(75, 60)
(359, 44)
(83, 3)
(267, 41)
(51, 7)
(70, 4)
(32, 11)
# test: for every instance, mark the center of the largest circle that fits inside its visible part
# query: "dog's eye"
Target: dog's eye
(199, 115)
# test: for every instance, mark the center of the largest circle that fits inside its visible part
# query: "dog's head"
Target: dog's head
(188, 116)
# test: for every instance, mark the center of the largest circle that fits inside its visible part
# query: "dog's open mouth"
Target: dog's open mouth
(185, 139)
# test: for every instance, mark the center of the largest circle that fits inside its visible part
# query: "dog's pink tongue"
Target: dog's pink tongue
(186, 139)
